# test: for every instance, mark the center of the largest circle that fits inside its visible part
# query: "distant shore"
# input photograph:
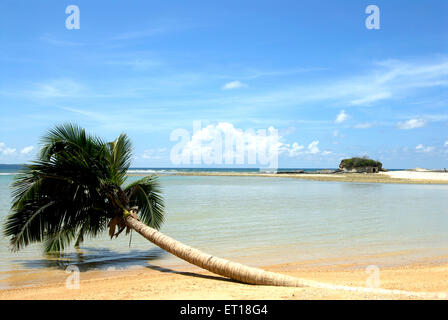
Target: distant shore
(402, 176)
(411, 176)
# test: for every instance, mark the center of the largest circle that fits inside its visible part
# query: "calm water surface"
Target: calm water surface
(264, 221)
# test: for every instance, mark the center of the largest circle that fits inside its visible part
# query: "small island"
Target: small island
(361, 165)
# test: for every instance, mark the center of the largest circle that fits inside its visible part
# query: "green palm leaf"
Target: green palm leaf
(146, 194)
(74, 188)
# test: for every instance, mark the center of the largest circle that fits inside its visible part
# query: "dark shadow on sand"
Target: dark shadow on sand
(191, 274)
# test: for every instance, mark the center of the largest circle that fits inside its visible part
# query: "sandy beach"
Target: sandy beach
(419, 281)
(418, 175)
(403, 176)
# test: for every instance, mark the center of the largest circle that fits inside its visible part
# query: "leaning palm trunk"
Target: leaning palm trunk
(213, 264)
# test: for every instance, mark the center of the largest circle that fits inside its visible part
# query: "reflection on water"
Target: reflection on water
(89, 258)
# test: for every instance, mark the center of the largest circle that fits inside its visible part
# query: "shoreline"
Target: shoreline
(339, 281)
(396, 177)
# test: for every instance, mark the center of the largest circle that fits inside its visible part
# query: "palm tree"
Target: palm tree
(75, 189)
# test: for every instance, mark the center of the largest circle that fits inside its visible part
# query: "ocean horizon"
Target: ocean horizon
(10, 169)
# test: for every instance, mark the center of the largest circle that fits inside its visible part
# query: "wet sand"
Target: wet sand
(423, 280)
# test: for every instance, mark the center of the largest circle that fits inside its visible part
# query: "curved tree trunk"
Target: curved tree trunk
(213, 264)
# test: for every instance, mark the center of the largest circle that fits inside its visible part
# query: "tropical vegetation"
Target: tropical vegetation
(354, 163)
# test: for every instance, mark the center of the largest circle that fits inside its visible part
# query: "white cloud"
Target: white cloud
(446, 143)
(383, 81)
(137, 64)
(27, 150)
(313, 147)
(6, 151)
(342, 116)
(338, 134)
(234, 85)
(154, 154)
(370, 98)
(386, 80)
(364, 125)
(295, 150)
(49, 39)
(141, 33)
(253, 74)
(225, 144)
(222, 144)
(59, 88)
(411, 124)
(436, 117)
(422, 148)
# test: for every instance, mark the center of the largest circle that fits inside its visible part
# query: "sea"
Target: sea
(262, 221)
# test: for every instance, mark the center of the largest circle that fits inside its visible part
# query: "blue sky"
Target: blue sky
(310, 69)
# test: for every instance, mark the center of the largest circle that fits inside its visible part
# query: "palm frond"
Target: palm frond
(27, 225)
(67, 137)
(57, 241)
(146, 194)
(74, 188)
(119, 154)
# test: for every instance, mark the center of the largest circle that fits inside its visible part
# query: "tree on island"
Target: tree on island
(75, 189)
(363, 164)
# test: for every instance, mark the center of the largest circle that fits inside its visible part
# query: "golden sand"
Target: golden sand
(343, 281)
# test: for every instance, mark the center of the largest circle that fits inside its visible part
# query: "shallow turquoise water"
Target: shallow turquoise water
(263, 221)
